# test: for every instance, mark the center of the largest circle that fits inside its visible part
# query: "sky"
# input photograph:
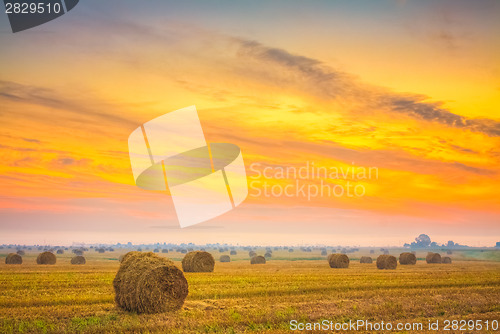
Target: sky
(407, 89)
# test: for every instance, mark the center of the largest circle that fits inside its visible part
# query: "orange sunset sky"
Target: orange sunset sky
(409, 87)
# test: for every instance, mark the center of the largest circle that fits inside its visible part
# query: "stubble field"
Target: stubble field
(238, 297)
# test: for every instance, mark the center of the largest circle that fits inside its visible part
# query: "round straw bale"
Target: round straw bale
(225, 258)
(258, 259)
(233, 252)
(147, 283)
(60, 251)
(164, 250)
(268, 255)
(21, 252)
(338, 261)
(46, 258)
(290, 250)
(198, 261)
(407, 258)
(78, 260)
(13, 258)
(366, 259)
(447, 259)
(387, 262)
(433, 258)
(323, 252)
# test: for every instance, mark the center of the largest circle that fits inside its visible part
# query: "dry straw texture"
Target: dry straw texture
(387, 262)
(366, 259)
(447, 259)
(338, 261)
(433, 258)
(46, 258)
(198, 262)
(147, 283)
(225, 258)
(78, 260)
(407, 259)
(13, 258)
(258, 259)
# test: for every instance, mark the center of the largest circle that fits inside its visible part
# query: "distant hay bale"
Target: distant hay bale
(324, 253)
(290, 250)
(148, 283)
(156, 250)
(198, 262)
(433, 258)
(366, 259)
(164, 250)
(449, 252)
(225, 258)
(21, 252)
(338, 261)
(60, 251)
(78, 260)
(183, 251)
(100, 250)
(139, 249)
(407, 258)
(46, 258)
(252, 253)
(372, 251)
(258, 259)
(233, 252)
(13, 258)
(78, 252)
(387, 262)
(268, 255)
(447, 259)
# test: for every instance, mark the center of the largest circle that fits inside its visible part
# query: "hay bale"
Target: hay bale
(290, 250)
(324, 253)
(258, 259)
(387, 262)
(156, 250)
(252, 254)
(366, 259)
(78, 260)
(46, 258)
(233, 252)
(338, 261)
(198, 262)
(447, 259)
(433, 258)
(164, 250)
(407, 258)
(268, 255)
(449, 252)
(78, 252)
(225, 258)
(60, 251)
(21, 252)
(148, 283)
(13, 258)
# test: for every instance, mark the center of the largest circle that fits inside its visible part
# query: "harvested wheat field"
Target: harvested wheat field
(238, 297)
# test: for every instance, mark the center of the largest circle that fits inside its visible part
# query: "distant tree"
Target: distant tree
(422, 241)
(451, 243)
(498, 244)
